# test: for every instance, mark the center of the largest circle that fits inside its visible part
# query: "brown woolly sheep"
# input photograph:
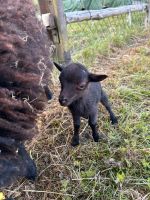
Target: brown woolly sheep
(25, 72)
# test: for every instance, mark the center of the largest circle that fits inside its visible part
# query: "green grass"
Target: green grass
(119, 169)
(88, 39)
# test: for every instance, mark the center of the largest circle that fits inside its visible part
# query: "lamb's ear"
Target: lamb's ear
(96, 77)
(59, 67)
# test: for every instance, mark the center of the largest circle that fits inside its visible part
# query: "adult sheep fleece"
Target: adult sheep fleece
(24, 68)
(24, 72)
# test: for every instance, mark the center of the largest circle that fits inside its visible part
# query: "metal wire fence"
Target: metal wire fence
(96, 36)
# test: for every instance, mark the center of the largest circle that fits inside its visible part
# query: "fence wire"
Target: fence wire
(96, 36)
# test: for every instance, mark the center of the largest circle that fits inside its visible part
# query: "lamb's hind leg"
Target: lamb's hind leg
(105, 102)
(93, 124)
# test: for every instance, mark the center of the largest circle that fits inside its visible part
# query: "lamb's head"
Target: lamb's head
(74, 79)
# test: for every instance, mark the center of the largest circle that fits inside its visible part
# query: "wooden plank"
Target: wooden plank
(48, 20)
(78, 16)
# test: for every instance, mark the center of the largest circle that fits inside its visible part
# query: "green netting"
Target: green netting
(74, 5)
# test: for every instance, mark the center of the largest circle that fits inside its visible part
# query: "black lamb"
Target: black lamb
(81, 92)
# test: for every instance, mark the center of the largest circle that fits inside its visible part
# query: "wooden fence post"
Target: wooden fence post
(48, 19)
(147, 18)
(57, 27)
(62, 48)
(129, 18)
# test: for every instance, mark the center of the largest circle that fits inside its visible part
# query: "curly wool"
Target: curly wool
(24, 69)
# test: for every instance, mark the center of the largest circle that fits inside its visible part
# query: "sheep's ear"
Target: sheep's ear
(59, 67)
(96, 77)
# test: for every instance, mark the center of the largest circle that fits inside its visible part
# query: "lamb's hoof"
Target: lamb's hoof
(75, 141)
(114, 121)
(96, 137)
(99, 137)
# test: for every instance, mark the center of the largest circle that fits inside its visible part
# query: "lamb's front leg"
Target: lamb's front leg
(93, 124)
(75, 138)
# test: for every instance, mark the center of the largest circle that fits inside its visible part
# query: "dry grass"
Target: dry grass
(118, 169)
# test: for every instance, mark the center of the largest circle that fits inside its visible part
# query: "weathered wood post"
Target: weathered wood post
(147, 18)
(62, 48)
(54, 19)
(48, 20)
(129, 18)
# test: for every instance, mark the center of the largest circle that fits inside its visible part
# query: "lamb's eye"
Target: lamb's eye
(81, 86)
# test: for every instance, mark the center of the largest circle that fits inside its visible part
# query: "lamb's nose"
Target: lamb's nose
(63, 101)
